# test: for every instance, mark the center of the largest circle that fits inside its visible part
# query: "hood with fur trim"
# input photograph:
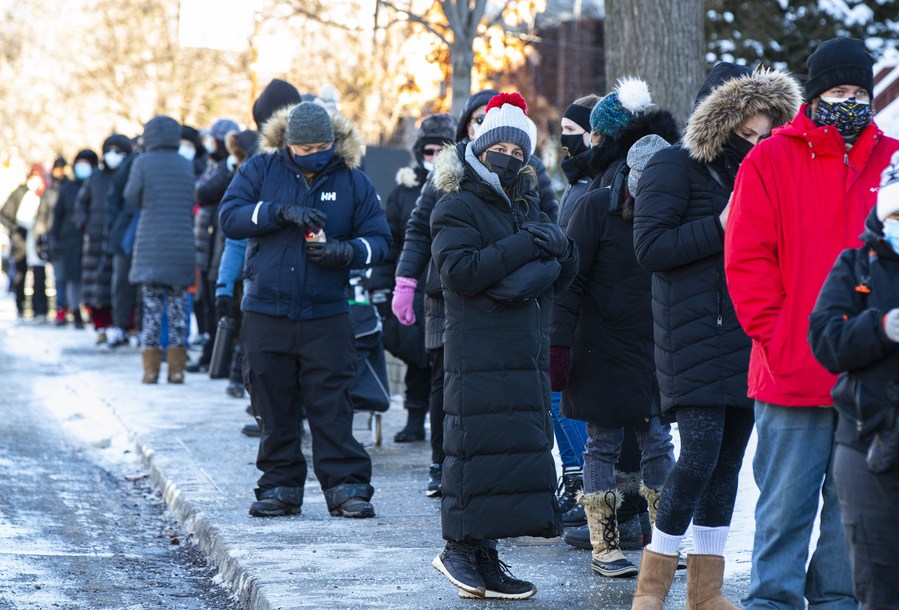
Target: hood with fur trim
(767, 92)
(408, 177)
(449, 170)
(348, 143)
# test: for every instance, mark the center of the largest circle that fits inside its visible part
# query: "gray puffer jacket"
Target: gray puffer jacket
(161, 185)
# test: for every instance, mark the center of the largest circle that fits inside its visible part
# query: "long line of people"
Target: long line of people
(674, 282)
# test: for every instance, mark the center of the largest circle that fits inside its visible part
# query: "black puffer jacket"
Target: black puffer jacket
(701, 352)
(498, 476)
(96, 262)
(211, 187)
(846, 335)
(66, 241)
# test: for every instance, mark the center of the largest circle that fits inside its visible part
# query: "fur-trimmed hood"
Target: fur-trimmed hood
(767, 92)
(449, 170)
(408, 177)
(348, 143)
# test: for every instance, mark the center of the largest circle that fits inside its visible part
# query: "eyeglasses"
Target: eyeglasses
(430, 152)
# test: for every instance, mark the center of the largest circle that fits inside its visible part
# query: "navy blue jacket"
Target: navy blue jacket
(279, 278)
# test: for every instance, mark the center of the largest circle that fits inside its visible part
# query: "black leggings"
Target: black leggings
(703, 484)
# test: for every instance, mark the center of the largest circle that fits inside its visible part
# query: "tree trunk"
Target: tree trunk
(662, 42)
(463, 17)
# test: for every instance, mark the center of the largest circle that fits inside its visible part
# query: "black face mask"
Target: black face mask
(573, 144)
(504, 166)
(739, 147)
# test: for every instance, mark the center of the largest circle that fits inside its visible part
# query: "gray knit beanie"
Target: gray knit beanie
(638, 157)
(309, 123)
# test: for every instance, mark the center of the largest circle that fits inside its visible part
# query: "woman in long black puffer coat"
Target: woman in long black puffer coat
(499, 258)
(701, 352)
(96, 263)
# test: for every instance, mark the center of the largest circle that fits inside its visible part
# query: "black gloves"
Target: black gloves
(549, 238)
(224, 307)
(303, 217)
(332, 254)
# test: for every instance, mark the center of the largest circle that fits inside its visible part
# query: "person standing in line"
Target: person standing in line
(91, 219)
(161, 186)
(118, 222)
(42, 228)
(801, 198)
(407, 342)
(415, 261)
(18, 216)
(296, 337)
(602, 325)
(854, 332)
(499, 258)
(701, 352)
(66, 241)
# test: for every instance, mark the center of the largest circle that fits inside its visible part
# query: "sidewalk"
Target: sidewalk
(189, 437)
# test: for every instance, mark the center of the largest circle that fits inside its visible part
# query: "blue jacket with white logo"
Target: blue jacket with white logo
(279, 279)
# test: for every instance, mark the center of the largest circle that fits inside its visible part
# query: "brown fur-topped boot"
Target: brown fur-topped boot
(152, 357)
(176, 358)
(601, 510)
(705, 576)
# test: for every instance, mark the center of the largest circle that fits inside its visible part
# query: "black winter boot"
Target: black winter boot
(569, 485)
(459, 563)
(277, 502)
(415, 426)
(498, 580)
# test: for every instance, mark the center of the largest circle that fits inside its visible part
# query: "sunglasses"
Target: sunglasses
(430, 152)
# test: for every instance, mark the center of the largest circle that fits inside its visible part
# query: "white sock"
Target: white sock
(709, 540)
(663, 543)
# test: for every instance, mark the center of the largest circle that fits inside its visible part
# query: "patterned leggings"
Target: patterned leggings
(172, 301)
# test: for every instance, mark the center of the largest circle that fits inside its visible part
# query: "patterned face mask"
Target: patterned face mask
(849, 116)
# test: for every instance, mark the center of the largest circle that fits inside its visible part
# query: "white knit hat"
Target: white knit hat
(506, 121)
(888, 195)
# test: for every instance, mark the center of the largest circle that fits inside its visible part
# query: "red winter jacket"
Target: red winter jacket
(799, 200)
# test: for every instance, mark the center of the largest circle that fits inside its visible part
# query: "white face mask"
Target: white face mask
(188, 152)
(231, 162)
(427, 165)
(82, 170)
(113, 159)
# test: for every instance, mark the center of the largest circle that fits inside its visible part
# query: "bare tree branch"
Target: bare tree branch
(299, 10)
(412, 17)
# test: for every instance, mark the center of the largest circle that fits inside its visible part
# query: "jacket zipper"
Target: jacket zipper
(719, 321)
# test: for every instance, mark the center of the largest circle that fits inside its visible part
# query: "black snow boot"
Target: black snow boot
(459, 563)
(415, 426)
(277, 502)
(569, 485)
(498, 580)
(435, 481)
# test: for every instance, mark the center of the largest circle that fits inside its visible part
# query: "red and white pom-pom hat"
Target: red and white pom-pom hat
(506, 121)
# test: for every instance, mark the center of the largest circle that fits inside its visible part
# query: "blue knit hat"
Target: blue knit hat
(613, 112)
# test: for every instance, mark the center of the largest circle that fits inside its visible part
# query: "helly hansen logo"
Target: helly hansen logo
(332, 196)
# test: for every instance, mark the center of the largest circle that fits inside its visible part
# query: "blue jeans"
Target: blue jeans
(604, 446)
(571, 435)
(793, 468)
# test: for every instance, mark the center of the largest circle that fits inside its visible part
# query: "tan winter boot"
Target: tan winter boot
(705, 576)
(601, 510)
(652, 499)
(176, 358)
(654, 581)
(152, 361)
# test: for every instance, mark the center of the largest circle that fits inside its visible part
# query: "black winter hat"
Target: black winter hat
(839, 61)
(192, 135)
(276, 95)
(435, 129)
(87, 155)
(481, 98)
(122, 142)
(60, 162)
